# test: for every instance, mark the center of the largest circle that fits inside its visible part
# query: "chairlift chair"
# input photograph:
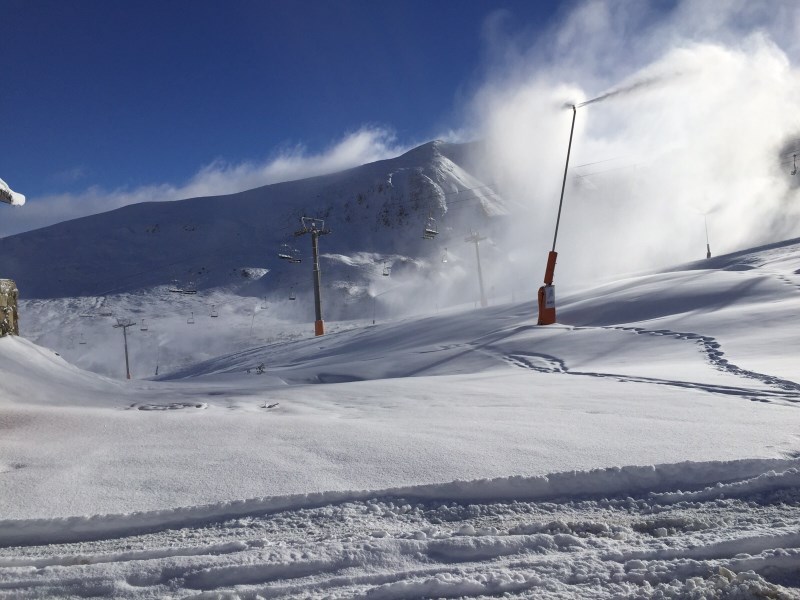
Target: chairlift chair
(82, 341)
(430, 231)
(444, 256)
(264, 303)
(143, 326)
(190, 320)
(285, 252)
(214, 313)
(385, 269)
(794, 164)
(295, 258)
(180, 289)
(291, 294)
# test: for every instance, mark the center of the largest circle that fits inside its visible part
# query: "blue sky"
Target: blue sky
(106, 103)
(125, 94)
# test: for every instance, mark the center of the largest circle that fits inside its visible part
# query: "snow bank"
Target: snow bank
(9, 196)
(726, 476)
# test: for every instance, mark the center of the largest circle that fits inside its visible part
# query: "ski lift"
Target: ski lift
(285, 252)
(214, 313)
(444, 256)
(430, 231)
(794, 164)
(181, 289)
(385, 269)
(190, 320)
(264, 303)
(82, 341)
(143, 326)
(291, 294)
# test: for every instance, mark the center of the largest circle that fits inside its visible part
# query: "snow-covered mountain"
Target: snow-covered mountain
(76, 278)
(378, 209)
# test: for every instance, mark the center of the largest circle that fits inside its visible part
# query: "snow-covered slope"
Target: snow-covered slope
(646, 446)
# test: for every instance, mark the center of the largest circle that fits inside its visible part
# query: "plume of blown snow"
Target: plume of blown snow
(695, 116)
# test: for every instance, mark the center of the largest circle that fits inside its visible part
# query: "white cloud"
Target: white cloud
(366, 145)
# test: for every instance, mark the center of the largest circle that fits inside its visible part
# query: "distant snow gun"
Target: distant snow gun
(9, 196)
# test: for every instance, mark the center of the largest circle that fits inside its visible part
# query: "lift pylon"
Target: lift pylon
(476, 238)
(124, 324)
(316, 228)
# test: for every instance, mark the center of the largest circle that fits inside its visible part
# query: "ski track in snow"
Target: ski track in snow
(784, 279)
(733, 540)
(712, 349)
(546, 363)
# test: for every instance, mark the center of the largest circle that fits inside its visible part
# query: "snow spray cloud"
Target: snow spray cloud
(631, 88)
(368, 144)
(693, 113)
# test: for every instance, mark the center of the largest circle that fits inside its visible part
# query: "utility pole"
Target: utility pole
(124, 324)
(476, 238)
(315, 227)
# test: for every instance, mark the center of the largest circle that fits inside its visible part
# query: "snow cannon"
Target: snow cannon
(547, 293)
(9, 196)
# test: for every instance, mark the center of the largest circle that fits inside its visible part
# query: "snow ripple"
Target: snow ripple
(693, 530)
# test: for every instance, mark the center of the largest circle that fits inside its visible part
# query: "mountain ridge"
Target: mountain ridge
(376, 207)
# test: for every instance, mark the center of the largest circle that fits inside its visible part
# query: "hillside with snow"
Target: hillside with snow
(77, 278)
(379, 208)
(645, 446)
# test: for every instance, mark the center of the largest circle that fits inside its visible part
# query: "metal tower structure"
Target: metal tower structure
(124, 324)
(476, 238)
(316, 228)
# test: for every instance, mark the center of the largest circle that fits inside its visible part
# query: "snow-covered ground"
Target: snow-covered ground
(648, 446)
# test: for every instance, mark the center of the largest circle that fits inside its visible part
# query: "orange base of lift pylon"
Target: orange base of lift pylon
(319, 327)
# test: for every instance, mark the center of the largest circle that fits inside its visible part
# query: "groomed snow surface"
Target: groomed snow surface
(646, 447)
